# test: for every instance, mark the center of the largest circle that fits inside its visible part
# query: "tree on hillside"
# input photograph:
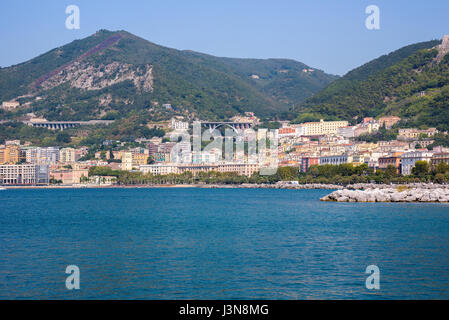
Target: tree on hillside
(421, 168)
(63, 137)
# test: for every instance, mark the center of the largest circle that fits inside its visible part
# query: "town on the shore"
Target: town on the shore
(301, 148)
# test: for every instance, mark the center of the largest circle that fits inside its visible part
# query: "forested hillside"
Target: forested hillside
(412, 82)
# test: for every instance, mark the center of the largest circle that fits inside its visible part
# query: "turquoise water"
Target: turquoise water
(218, 244)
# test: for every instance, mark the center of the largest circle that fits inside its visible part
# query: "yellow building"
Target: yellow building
(140, 159)
(323, 127)
(10, 154)
(67, 155)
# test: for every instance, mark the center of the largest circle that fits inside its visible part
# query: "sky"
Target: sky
(326, 34)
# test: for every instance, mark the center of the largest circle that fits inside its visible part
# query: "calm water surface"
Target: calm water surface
(218, 244)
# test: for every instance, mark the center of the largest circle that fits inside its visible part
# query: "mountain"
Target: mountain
(412, 82)
(111, 75)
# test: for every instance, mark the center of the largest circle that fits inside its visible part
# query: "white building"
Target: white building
(335, 159)
(347, 132)
(323, 127)
(42, 156)
(159, 169)
(24, 174)
(409, 159)
(179, 125)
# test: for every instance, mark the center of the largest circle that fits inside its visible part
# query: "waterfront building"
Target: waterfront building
(409, 159)
(159, 169)
(69, 176)
(360, 158)
(308, 161)
(391, 160)
(242, 169)
(24, 174)
(335, 159)
(247, 169)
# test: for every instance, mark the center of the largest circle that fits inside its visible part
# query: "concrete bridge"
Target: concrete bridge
(61, 125)
(233, 125)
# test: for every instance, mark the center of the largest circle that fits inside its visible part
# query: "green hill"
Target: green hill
(113, 75)
(412, 82)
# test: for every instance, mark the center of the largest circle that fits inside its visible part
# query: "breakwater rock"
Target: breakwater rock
(279, 185)
(391, 194)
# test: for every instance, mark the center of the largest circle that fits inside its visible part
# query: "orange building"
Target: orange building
(10, 154)
(392, 160)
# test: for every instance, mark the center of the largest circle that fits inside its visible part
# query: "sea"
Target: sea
(196, 243)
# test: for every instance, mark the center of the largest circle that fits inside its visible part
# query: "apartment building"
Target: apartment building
(44, 156)
(159, 169)
(24, 174)
(335, 159)
(140, 159)
(442, 157)
(242, 169)
(10, 154)
(308, 161)
(127, 161)
(409, 159)
(67, 155)
(392, 160)
(413, 133)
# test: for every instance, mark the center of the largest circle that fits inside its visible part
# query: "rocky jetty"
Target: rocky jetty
(278, 185)
(407, 193)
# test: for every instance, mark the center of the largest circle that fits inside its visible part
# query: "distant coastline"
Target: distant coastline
(279, 185)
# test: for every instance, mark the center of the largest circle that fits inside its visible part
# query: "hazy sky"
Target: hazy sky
(325, 34)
